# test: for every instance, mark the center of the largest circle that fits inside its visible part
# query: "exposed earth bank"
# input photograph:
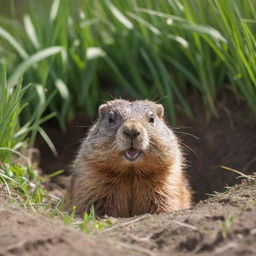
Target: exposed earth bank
(225, 140)
(222, 225)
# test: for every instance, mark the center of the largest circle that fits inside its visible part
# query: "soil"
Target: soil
(23, 233)
(223, 225)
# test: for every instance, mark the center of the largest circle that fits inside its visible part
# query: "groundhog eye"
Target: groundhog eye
(111, 117)
(151, 118)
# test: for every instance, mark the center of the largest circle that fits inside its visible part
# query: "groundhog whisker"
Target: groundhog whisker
(189, 134)
(161, 158)
(180, 128)
(189, 148)
(82, 126)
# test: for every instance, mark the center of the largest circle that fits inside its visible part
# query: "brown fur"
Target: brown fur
(155, 183)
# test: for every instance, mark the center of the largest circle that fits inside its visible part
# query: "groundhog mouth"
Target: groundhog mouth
(131, 154)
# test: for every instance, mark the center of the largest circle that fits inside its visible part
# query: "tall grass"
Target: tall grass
(10, 108)
(15, 134)
(87, 51)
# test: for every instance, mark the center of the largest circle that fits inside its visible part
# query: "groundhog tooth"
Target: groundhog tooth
(131, 155)
(132, 152)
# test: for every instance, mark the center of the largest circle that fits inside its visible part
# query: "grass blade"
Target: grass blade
(29, 62)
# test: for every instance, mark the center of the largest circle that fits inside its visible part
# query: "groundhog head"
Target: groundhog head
(130, 135)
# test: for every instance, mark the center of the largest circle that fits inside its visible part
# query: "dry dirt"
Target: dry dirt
(223, 225)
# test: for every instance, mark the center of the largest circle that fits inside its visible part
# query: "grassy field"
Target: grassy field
(81, 54)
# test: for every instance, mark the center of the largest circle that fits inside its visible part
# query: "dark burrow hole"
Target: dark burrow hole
(228, 139)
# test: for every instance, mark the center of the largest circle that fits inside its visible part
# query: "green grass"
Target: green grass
(88, 51)
(225, 225)
(23, 185)
(88, 223)
(14, 134)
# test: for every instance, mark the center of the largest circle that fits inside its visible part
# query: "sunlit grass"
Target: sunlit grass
(15, 134)
(10, 108)
(88, 51)
(24, 186)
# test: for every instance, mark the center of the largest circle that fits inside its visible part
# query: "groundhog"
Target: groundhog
(129, 164)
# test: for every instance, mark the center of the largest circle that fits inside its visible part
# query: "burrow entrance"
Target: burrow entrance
(228, 139)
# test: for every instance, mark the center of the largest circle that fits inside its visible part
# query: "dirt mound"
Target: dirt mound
(224, 225)
(23, 233)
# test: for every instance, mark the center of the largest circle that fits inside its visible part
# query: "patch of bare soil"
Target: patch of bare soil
(223, 225)
(23, 233)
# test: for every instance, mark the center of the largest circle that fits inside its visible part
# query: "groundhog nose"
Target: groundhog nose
(130, 133)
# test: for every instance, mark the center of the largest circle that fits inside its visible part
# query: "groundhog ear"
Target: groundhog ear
(103, 110)
(160, 110)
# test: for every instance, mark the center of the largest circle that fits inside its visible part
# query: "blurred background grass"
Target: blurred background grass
(60, 58)
(77, 54)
